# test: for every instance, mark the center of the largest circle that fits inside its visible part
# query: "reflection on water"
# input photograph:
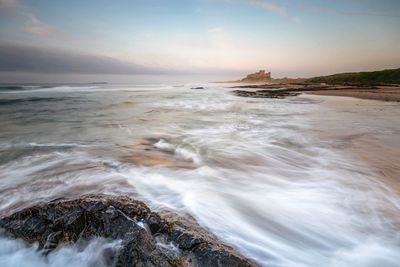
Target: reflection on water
(269, 176)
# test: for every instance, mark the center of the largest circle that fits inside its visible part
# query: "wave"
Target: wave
(45, 88)
(19, 87)
(180, 151)
(93, 253)
(10, 146)
(82, 88)
(14, 152)
(55, 145)
(13, 101)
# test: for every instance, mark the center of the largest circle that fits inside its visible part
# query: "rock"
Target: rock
(146, 236)
(200, 87)
(265, 93)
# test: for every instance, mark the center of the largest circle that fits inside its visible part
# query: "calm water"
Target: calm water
(269, 176)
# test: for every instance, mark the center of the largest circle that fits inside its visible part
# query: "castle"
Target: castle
(258, 76)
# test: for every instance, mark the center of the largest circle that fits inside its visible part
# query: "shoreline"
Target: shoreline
(391, 94)
(380, 92)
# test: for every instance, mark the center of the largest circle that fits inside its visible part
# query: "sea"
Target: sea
(277, 179)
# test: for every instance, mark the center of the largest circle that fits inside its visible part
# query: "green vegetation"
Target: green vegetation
(374, 77)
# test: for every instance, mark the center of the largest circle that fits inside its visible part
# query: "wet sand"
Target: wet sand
(381, 93)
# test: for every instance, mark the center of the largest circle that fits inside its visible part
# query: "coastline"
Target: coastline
(382, 92)
(391, 94)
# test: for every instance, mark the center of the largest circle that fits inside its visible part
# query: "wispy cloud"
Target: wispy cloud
(37, 27)
(273, 7)
(383, 8)
(357, 12)
(33, 24)
(216, 29)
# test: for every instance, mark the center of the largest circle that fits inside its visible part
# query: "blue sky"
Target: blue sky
(290, 37)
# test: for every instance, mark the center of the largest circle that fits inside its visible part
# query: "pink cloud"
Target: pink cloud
(33, 24)
(272, 7)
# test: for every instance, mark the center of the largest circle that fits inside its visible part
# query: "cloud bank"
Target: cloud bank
(22, 58)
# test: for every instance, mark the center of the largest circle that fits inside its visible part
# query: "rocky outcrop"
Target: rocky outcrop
(147, 238)
(265, 93)
(283, 90)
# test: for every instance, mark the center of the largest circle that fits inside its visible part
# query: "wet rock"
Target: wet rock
(265, 93)
(283, 90)
(147, 238)
(204, 248)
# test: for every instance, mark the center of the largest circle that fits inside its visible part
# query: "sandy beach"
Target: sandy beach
(384, 93)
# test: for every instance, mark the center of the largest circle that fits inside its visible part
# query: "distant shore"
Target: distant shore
(383, 92)
(378, 85)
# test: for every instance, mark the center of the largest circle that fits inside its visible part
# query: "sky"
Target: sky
(49, 41)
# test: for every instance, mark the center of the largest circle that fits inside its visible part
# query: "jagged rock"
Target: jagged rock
(145, 234)
(265, 93)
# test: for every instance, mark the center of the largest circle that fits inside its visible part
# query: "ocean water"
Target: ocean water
(272, 177)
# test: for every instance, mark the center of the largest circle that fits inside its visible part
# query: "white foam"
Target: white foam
(164, 145)
(15, 253)
(181, 151)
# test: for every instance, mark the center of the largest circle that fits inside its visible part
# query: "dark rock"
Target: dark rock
(265, 93)
(200, 87)
(145, 234)
(283, 90)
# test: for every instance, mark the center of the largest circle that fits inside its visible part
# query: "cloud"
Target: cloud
(375, 9)
(33, 24)
(29, 59)
(378, 8)
(216, 29)
(8, 3)
(272, 7)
